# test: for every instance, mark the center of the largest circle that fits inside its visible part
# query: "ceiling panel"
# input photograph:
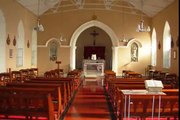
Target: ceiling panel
(149, 7)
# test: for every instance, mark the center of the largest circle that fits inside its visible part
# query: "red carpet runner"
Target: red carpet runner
(89, 104)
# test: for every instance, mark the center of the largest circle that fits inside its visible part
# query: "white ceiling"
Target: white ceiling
(148, 7)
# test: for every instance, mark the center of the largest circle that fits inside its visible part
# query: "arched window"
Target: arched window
(20, 45)
(2, 43)
(154, 48)
(34, 49)
(166, 46)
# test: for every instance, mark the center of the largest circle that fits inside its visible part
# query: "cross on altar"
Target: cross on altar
(94, 34)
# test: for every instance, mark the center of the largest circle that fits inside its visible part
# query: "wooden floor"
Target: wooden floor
(89, 103)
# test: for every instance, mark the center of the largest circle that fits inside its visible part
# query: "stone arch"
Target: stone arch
(83, 27)
(92, 23)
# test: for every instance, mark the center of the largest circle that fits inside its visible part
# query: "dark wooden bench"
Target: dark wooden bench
(5, 77)
(17, 76)
(26, 103)
(125, 80)
(70, 88)
(58, 96)
(109, 75)
(117, 85)
(141, 107)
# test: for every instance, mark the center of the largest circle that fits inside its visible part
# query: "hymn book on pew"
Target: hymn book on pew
(153, 85)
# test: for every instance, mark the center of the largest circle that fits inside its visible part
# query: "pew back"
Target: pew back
(19, 103)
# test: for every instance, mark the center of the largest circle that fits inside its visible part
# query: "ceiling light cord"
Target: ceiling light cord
(38, 8)
(141, 27)
(39, 27)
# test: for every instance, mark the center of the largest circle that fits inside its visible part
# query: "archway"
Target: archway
(104, 27)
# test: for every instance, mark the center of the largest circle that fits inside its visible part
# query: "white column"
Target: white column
(114, 58)
(73, 57)
(84, 68)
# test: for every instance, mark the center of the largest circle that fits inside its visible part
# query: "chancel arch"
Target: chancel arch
(94, 41)
(2, 42)
(79, 30)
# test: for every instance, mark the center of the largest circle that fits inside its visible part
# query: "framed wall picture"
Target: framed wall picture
(174, 54)
(134, 52)
(53, 51)
(10, 53)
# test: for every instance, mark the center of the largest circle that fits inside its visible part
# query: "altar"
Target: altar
(93, 68)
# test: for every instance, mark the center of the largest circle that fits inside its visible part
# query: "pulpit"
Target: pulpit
(93, 68)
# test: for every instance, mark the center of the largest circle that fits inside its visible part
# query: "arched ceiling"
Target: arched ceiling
(148, 7)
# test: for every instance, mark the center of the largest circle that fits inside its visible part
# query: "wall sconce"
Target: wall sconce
(177, 42)
(28, 44)
(8, 40)
(174, 54)
(172, 42)
(14, 41)
(159, 45)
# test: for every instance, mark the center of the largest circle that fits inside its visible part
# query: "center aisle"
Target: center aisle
(89, 104)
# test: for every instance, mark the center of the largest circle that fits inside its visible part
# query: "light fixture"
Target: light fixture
(108, 4)
(124, 40)
(39, 26)
(141, 27)
(62, 38)
(123, 26)
(79, 3)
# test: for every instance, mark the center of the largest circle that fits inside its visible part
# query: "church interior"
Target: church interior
(89, 59)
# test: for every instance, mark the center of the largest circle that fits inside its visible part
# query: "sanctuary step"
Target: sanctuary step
(96, 79)
(89, 103)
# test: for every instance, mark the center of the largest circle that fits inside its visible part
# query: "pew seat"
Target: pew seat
(58, 95)
(20, 103)
(141, 107)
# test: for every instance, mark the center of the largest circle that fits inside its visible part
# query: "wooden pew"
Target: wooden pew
(16, 76)
(26, 103)
(124, 72)
(35, 71)
(123, 83)
(66, 91)
(171, 92)
(58, 96)
(70, 88)
(141, 107)
(5, 77)
(108, 75)
(76, 75)
(110, 83)
(132, 74)
(125, 80)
